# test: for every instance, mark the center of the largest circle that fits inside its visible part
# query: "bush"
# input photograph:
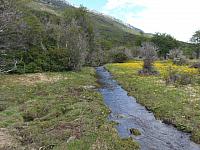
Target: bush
(120, 54)
(33, 68)
(177, 56)
(35, 60)
(120, 58)
(149, 54)
(57, 59)
(174, 77)
(196, 65)
(180, 61)
(185, 79)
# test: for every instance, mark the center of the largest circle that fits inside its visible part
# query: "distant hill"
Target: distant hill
(107, 26)
(111, 22)
(107, 20)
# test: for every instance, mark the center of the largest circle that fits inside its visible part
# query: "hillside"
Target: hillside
(98, 18)
(108, 28)
(40, 29)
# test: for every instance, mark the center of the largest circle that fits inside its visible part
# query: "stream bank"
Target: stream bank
(155, 135)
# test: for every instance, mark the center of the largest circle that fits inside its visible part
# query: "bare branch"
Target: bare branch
(3, 68)
(149, 54)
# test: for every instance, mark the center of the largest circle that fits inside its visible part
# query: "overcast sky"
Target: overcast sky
(180, 18)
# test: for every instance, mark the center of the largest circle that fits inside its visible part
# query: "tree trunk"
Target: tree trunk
(198, 53)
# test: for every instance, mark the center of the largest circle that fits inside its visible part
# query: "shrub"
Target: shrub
(177, 56)
(120, 54)
(57, 59)
(195, 65)
(97, 57)
(174, 77)
(149, 54)
(33, 68)
(120, 58)
(185, 79)
(180, 61)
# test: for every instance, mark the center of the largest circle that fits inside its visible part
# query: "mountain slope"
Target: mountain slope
(97, 16)
(45, 28)
(107, 26)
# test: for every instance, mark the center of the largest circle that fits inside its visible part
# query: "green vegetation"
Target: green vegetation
(165, 43)
(59, 110)
(63, 110)
(39, 29)
(176, 104)
(51, 35)
(196, 40)
(113, 33)
(135, 132)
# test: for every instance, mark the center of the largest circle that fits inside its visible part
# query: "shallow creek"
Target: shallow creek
(155, 135)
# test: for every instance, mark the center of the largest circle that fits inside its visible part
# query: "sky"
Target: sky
(179, 18)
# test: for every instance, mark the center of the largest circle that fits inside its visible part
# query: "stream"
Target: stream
(155, 135)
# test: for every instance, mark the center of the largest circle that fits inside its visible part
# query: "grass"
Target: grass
(58, 111)
(174, 104)
(43, 8)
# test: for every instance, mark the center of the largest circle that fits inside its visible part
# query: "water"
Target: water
(155, 135)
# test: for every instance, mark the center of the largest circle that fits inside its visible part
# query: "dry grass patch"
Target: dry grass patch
(32, 79)
(7, 142)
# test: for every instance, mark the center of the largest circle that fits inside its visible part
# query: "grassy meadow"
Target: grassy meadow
(57, 111)
(176, 104)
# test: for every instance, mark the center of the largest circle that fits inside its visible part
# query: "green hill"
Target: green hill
(43, 31)
(107, 27)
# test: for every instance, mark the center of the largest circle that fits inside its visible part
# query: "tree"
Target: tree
(10, 25)
(76, 46)
(177, 56)
(149, 54)
(165, 43)
(78, 37)
(8, 16)
(196, 40)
